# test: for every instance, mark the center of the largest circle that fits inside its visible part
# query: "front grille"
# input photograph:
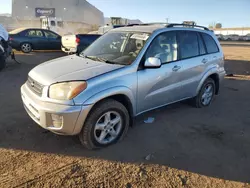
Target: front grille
(34, 86)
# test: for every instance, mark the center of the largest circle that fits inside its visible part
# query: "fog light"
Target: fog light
(57, 120)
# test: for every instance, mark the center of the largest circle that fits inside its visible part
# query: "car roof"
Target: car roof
(154, 27)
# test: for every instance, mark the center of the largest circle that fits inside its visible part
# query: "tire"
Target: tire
(2, 62)
(26, 47)
(90, 135)
(199, 101)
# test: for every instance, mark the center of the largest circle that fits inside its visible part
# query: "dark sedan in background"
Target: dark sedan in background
(30, 39)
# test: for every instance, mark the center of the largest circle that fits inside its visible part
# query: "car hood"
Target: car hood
(70, 68)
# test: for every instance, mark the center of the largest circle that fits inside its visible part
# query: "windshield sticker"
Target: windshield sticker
(139, 36)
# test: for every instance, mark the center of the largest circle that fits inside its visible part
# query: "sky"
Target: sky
(231, 13)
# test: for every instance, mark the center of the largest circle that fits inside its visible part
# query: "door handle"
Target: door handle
(176, 68)
(204, 60)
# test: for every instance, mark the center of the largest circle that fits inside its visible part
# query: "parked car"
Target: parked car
(77, 43)
(124, 73)
(246, 37)
(233, 37)
(30, 39)
(220, 36)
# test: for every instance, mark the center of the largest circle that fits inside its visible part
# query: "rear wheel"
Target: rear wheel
(106, 124)
(206, 94)
(26, 47)
(2, 62)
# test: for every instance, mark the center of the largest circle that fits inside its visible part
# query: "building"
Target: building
(28, 12)
(230, 31)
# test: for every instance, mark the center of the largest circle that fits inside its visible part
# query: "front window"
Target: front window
(49, 34)
(164, 47)
(116, 47)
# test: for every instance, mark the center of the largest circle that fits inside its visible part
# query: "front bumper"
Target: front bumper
(58, 118)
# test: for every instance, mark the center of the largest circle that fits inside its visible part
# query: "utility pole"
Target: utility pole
(167, 20)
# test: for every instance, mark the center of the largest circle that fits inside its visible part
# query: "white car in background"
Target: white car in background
(246, 37)
(232, 37)
(220, 36)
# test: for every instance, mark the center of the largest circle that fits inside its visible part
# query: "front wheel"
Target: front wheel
(106, 124)
(206, 94)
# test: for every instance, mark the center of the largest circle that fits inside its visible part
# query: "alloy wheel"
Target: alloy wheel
(108, 127)
(207, 95)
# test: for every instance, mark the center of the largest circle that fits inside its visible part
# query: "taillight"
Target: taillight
(10, 39)
(78, 41)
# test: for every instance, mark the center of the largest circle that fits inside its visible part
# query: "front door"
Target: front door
(54, 40)
(161, 86)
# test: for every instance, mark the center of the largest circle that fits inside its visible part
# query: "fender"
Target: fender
(119, 90)
(211, 71)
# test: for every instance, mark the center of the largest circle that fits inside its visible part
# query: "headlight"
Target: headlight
(66, 90)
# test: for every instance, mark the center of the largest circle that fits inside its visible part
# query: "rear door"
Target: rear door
(195, 58)
(54, 40)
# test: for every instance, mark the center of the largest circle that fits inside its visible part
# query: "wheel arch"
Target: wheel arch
(212, 73)
(121, 94)
(216, 79)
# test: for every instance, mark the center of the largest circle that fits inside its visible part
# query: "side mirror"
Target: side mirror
(152, 62)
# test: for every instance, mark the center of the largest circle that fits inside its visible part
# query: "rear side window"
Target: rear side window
(210, 43)
(201, 45)
(188, 44)
(23, 33)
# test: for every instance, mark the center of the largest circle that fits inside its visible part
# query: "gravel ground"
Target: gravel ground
(183, 147)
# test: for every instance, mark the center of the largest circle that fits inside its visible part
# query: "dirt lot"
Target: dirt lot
(184, 147)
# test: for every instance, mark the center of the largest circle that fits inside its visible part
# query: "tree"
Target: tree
(218, 25)
(211, 25)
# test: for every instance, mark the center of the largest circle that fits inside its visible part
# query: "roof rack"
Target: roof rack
(187, 25)
(145, 24)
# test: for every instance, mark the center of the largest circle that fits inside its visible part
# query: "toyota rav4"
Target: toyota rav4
(124, 73)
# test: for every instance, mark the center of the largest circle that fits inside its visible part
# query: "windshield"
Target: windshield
(116, 47)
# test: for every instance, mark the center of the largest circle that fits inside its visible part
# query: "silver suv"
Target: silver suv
(124, 73)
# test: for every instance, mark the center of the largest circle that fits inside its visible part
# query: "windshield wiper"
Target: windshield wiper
(95, 58)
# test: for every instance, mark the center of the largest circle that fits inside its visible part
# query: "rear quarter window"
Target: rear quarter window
(23, 33)
(211, 45)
